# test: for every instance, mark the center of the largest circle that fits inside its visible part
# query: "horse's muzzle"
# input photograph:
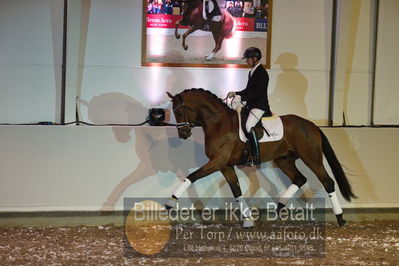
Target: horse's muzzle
(184, 132)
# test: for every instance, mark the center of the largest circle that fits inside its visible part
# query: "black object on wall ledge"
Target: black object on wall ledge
(156, 117)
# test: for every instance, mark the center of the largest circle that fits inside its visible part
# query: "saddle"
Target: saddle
(259, 130)
(268, 129)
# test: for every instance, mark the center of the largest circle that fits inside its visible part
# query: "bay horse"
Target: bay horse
(302, 139)
(192, 16)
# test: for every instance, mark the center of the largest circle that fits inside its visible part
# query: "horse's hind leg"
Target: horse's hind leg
(177, 35)
(231, 178)
(314, 160)
(188, 32)
(287, 165)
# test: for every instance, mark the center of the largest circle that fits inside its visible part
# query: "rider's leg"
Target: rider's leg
(205, 5)
(207, 24)
(206, 14)
(253, 118)
(253, 141)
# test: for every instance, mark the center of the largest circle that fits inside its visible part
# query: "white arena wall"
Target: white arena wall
(80, 168)
(61, 168)
(104, 48)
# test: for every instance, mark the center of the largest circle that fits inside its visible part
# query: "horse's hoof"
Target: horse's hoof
(340, 220)
(209, 56)
(185, 47)
(170, 204)
(342, 223)
(248, 223)
(177, 36)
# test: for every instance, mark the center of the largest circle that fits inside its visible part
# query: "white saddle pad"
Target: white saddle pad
(273, 124)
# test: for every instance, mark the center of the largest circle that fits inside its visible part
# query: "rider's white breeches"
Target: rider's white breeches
(210, 7)
(253, 118)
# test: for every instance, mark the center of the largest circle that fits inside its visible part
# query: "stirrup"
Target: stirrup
(256, 160)
(206, 27)
(250, 162)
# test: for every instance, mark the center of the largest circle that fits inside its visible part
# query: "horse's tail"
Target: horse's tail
(339, 174)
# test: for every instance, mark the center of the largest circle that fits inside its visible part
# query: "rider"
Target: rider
(211, 12)
(255, 96)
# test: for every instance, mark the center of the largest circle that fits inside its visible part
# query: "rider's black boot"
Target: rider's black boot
(208, 16)
(207, 24)
(254, 147)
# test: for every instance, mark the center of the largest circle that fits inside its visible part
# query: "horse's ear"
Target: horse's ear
(170, 95)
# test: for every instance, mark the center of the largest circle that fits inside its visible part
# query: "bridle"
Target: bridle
(187, 122)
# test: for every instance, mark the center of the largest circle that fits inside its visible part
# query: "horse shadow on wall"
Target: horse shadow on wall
(156, 150)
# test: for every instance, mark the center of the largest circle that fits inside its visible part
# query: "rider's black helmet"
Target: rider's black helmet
(252, 52)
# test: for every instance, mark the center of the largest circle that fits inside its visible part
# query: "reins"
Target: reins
(201, 93)
(185, 123)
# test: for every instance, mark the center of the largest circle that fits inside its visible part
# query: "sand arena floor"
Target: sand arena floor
(359, 243)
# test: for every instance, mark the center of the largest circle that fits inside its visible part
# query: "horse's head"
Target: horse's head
(197, 106)
(185, 116)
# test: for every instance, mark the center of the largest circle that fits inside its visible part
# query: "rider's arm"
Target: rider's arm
(256, 89)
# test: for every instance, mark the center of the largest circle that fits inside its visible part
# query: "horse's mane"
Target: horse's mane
(201, 91)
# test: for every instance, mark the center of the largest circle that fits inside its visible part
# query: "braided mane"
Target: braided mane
(207, 93)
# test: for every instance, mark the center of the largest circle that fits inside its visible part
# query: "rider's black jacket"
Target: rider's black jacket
(255, 93)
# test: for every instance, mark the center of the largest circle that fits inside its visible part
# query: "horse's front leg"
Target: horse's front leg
(207, 169)
(218, 45)
(188, 32)
(231, 177)
(177, 35)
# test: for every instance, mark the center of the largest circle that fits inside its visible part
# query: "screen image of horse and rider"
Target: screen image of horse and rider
(234, 7)
(214, 40)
